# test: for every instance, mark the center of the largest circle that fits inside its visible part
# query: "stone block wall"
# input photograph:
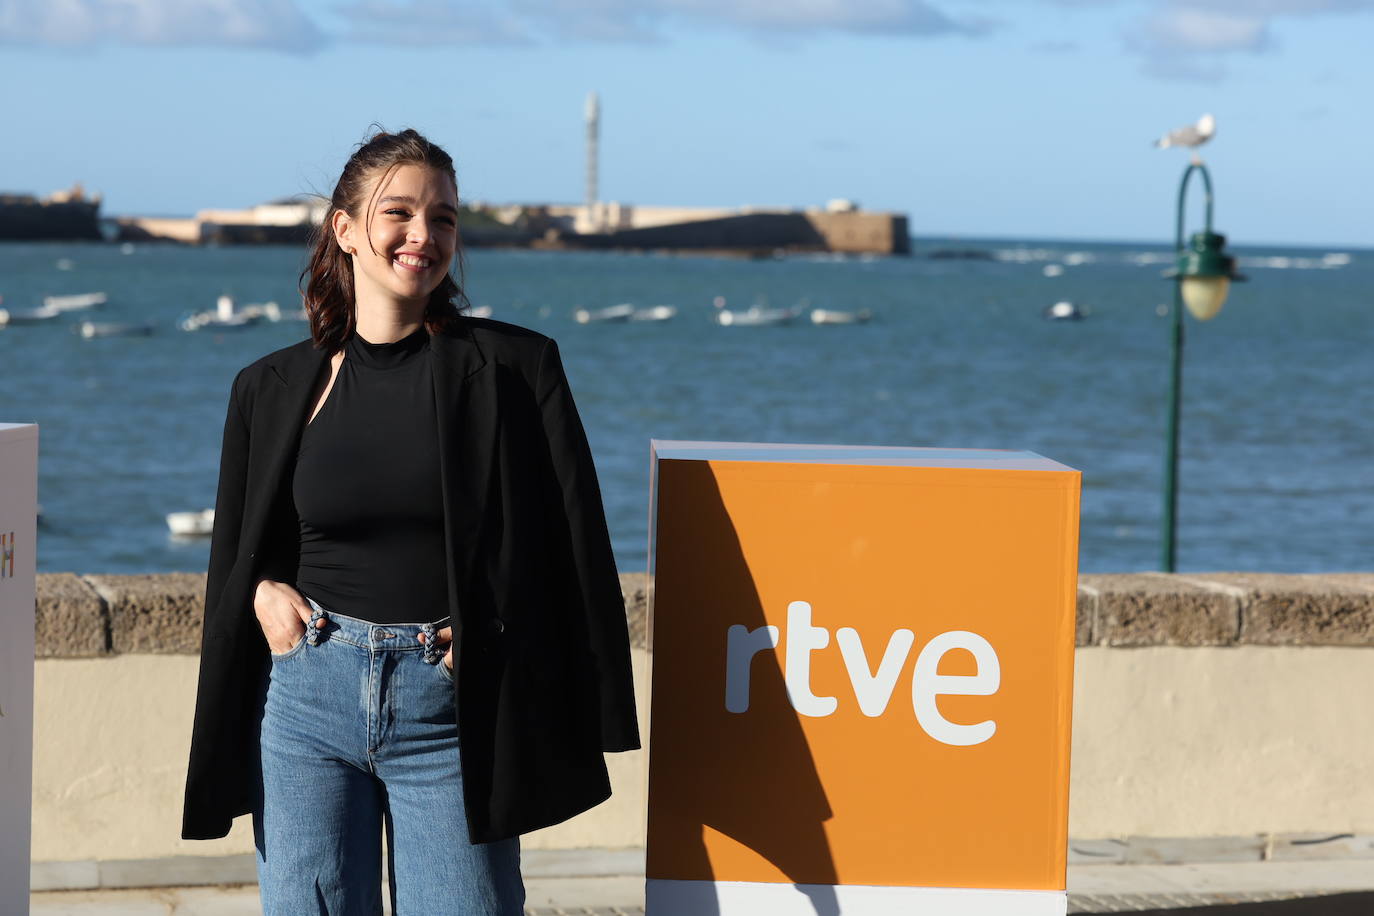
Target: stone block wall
(1225, 609)
(160, 614)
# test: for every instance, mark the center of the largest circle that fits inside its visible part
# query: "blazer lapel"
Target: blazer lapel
(465, 399)
(281, 408)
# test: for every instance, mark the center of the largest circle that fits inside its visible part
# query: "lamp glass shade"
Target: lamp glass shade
(1204, 295)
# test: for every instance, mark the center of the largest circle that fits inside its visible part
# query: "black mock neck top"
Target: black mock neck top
(367, 489)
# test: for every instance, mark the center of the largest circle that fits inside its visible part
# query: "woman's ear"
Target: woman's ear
(343, 227)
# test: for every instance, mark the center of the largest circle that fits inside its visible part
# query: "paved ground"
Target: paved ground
(1317, 888)
(615, 896)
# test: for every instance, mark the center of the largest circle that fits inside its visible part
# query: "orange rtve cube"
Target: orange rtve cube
(862, 679)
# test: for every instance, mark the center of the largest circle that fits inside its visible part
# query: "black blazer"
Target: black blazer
(544, 683)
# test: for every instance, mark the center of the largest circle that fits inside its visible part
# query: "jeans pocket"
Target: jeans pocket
(444, 670)
(291, 652)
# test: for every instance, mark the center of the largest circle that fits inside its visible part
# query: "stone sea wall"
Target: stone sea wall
(89, 616)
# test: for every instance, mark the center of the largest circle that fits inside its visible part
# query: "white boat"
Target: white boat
(27, 316)
(266, 311)
(226, 316)
(76, 303)
(1064, 310)
(654, 313)
(612, 313)
(1053, 270)
(833, 316)
(755, 316)
(293, 315)
(206, 321)
(480, 311)
(92, 329)
(191, 524)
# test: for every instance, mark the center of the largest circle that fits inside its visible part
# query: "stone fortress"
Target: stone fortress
(841, 226)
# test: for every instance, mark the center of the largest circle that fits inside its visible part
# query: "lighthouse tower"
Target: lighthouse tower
(592, 217)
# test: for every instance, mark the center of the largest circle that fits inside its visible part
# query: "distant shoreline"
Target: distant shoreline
(921, 245)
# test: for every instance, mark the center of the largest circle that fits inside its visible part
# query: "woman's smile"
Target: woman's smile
(415, 263)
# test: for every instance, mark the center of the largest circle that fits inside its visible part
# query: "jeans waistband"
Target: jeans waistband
(392, 636)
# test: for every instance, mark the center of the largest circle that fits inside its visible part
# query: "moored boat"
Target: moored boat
(612, 313)
(226, 317)
(75, 303)
(1063, 310)
(191, 524)
(27, 316)
(834, 316)
(755, 316)
(92, 329)
(654, 313)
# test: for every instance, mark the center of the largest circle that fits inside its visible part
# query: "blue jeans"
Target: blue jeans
(359, 732)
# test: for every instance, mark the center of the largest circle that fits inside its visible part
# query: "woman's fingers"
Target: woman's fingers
(442, 637)
(304, 611)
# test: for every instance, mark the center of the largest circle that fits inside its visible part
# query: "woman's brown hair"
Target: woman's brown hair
(327, 280)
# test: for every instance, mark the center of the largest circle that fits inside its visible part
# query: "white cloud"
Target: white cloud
(1191, 39)
(429, 22)
(281, 25)
(592, 20)
(274, 24)
(1266, 8)
(1189, 29)
(433, 21)
(911, 17)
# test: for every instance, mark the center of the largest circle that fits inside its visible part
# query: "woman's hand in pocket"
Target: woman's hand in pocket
(283, 613)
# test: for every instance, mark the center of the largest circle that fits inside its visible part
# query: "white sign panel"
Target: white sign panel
(18, 534)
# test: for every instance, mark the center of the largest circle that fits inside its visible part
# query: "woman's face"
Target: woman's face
(412, 238)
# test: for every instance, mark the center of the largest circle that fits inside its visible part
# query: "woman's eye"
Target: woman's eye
(396, 210)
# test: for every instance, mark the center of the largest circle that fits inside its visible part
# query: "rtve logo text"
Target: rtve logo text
(873, 690)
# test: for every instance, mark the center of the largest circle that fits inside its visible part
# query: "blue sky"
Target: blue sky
(976, 117)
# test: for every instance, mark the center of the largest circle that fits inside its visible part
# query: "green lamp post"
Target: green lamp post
(1201, 281)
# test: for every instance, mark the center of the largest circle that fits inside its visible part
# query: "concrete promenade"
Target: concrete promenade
(610, 883)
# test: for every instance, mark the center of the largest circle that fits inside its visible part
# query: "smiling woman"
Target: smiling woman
(413, 622)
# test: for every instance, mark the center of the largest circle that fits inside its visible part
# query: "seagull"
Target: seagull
(1194, 135)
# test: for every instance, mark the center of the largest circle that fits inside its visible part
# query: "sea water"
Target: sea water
(1276, 441)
